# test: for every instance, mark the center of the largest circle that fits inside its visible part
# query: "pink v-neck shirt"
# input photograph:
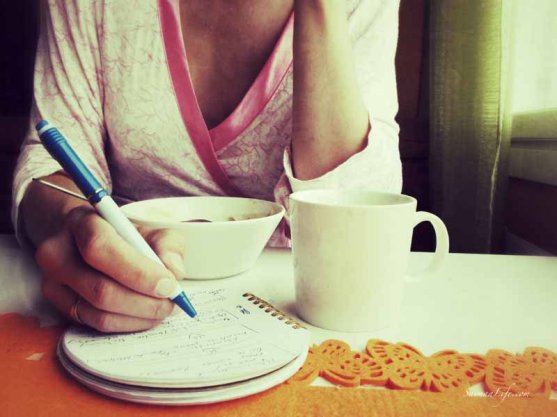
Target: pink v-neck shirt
(113, 77)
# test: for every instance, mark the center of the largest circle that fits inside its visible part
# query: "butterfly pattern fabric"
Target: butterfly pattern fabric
(402, 366)
(398, 366)
(533, 372)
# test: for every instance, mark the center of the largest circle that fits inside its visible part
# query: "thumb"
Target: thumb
(169, 245)
(174, 262)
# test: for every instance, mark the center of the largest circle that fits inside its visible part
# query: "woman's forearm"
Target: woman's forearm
(43, 210)
(330, 120)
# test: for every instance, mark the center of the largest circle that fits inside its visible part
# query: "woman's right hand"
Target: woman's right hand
(121, 290)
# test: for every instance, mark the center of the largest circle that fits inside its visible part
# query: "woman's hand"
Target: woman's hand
(121, 290)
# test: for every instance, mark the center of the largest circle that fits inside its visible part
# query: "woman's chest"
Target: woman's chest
(227, 45)
(150, 139)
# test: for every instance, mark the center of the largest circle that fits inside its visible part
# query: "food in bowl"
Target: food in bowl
(223, 236)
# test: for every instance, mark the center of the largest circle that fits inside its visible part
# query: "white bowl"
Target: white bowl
(238, 231)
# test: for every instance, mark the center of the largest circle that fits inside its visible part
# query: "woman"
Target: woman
(263, 104)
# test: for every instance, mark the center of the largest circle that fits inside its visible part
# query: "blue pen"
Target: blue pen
(61, 150)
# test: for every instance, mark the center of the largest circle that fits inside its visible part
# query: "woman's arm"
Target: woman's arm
(373, 163)
(41, 224)
(80, 255)
(330, 120)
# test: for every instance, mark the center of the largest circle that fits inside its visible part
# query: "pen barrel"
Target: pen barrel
(60, 149)
(110, 211)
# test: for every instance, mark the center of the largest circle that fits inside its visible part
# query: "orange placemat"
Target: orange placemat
(401, 366)
(33, 384)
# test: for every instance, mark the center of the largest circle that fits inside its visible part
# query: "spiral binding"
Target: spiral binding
(275, 312)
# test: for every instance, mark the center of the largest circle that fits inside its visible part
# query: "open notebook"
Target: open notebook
(237, 346)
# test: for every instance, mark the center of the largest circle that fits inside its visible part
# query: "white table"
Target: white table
(474, 303)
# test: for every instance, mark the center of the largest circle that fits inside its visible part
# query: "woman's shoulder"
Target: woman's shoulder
(102, 12)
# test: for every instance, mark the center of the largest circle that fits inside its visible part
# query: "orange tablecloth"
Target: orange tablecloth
(33, 384)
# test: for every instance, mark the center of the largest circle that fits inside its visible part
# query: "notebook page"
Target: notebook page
(182, 396)
(231, 340)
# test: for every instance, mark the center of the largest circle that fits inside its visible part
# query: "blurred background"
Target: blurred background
(477, 84)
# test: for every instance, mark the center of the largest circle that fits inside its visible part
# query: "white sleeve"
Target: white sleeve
(68, 93)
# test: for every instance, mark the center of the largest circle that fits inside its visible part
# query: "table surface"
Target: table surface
(472, 304)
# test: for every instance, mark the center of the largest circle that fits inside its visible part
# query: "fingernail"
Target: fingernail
(165, 287)
(177, 263)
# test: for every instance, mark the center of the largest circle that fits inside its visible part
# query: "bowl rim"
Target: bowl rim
(171, 224)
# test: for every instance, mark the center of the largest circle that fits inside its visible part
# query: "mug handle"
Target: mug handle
(441, 243)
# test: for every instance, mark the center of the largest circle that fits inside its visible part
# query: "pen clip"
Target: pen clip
(58, 188)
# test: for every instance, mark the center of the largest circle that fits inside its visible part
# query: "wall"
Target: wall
(412, 76)
(18, 31)
(531, 209)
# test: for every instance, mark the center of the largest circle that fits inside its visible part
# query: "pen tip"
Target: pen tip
(182, 301)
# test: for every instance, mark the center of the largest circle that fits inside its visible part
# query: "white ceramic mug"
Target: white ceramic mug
(350, 250)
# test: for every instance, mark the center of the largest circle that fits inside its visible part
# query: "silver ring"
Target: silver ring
(74, 314)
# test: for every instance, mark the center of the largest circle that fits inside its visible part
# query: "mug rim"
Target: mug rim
(303, 197)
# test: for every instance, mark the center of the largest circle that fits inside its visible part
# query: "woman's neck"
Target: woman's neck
(235, 15)
(228, 42)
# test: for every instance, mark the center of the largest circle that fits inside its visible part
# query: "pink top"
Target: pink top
(113, 77)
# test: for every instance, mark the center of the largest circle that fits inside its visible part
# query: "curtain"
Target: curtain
(470, 121)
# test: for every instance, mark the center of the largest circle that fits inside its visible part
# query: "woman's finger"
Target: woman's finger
(62, 265)
(107, 322)
(103, 249)
(170, 245)
(108, 295)
(64, 299)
